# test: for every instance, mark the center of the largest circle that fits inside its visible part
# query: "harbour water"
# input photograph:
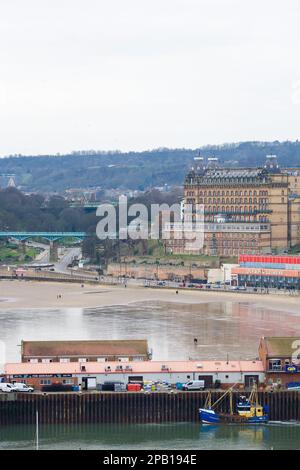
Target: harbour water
(222, 329)
(181, 436)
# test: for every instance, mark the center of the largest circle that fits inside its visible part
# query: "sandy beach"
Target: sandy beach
(30, 295)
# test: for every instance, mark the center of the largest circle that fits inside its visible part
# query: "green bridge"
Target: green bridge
(50, 236)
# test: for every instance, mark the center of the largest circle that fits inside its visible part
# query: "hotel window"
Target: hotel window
(33, 361)
(64, 359)
(82, 359)
(46, 361)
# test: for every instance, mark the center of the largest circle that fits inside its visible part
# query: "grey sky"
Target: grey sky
(140, 74)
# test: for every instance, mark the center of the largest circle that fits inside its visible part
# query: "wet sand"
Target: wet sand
(42, 295)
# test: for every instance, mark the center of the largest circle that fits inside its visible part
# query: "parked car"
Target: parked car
(21, 387)
(7, 387)
(194, 385)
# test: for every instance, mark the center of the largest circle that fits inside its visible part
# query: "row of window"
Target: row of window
(49, 382)
(269, 281)
(224, 210)
(220, 251)
(229, 193)
(241, 219)
(80, 359)
(278, 364)
(235, 243)
(201, 200)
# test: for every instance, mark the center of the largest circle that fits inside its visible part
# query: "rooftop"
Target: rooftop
(85, 348)
(230, 172)
(281, 345)
(138, 367)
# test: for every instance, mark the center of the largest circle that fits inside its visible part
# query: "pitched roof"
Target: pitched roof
(85, 348)
(281, 345)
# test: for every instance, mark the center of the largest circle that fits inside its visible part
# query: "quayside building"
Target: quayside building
(277, 363)
(246, 210)
(82, 352)
(267, 272)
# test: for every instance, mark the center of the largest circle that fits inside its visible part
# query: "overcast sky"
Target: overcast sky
(141, 74)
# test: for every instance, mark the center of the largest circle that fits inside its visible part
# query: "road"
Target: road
(44, 255)
(61, 266)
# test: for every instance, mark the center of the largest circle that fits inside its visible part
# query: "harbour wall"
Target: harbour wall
(129, 408)
(48, 276)
(153, 271)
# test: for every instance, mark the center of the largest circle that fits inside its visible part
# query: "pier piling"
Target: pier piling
(129, 408)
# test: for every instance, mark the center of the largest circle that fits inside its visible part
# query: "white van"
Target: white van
(7, 387)
(20, 387)
(194, 385)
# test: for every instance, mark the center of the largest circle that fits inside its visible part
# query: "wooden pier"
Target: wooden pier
(127, 408)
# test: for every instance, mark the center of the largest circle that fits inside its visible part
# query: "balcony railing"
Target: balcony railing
(254, 212)
(219, 227)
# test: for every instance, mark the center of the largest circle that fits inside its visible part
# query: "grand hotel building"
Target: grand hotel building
(246, 210)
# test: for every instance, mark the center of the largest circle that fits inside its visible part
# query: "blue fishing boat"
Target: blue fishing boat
(293, 386)
(248, 410)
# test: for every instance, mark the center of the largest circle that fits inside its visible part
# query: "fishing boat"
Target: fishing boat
(248, 410)
(293, 386)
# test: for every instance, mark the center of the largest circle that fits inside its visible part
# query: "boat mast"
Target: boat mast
(208, 400)
(229, 390)
(37, 429)
(253, 398)
(230, 400)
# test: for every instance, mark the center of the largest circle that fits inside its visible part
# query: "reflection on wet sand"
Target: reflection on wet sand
(232, 328)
